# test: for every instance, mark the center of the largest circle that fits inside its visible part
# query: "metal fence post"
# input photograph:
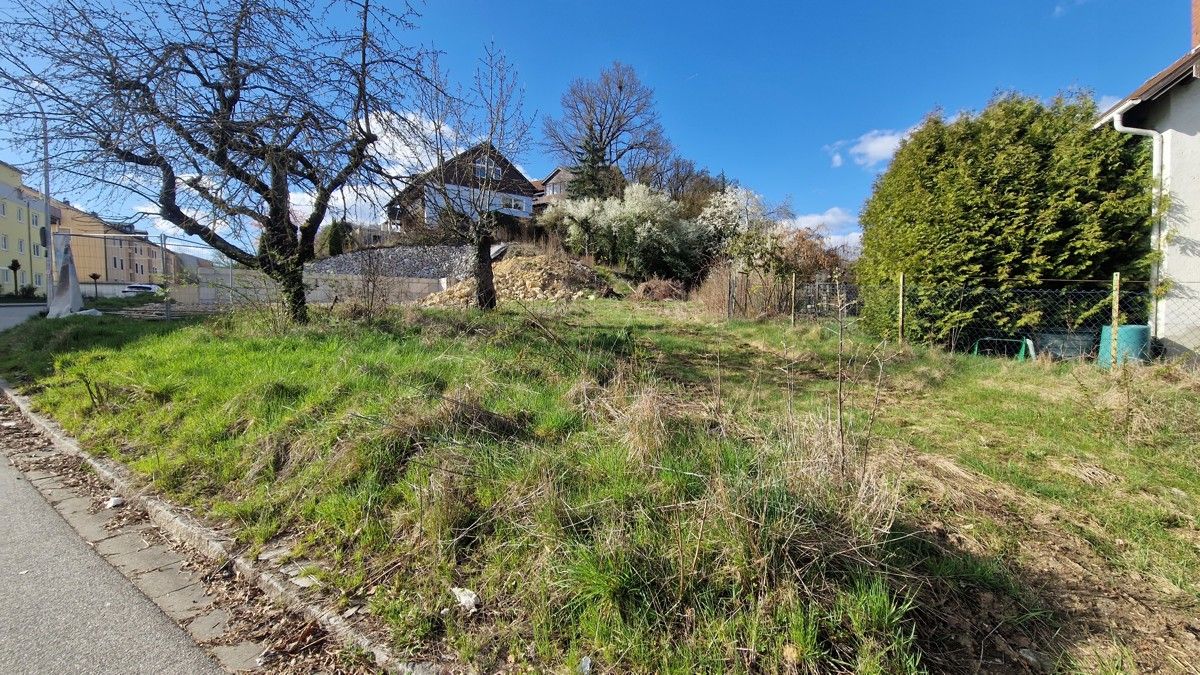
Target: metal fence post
(729, 300)
(162, 274)
(793, 299)
(1116, 316)
(900, 322)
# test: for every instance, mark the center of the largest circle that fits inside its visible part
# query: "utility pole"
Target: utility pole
(49, 243)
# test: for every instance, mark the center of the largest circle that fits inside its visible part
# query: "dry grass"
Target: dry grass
(657, 290)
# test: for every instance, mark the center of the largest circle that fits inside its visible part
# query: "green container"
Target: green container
(1133, 345)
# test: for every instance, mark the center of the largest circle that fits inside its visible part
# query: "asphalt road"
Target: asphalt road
(63, 609)
(12, 315)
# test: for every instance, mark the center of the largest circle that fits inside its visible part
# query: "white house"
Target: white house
(1166, 109)
(479, 179)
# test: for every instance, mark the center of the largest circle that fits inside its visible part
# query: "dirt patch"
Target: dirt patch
(537, 277)
(1096, 611)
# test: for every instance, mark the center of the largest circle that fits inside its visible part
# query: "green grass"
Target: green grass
(633, 484)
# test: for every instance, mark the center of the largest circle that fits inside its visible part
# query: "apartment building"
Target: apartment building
(115, 252)
(23, 234)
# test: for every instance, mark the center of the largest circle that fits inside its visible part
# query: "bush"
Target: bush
(642, 232)
(1020, 193)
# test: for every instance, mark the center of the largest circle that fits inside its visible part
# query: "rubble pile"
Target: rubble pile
(529, 278)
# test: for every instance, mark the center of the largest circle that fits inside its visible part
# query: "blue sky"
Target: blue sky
(779, 94)
(770, 92)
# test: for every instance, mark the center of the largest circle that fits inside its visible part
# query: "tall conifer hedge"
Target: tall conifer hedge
(976, 209)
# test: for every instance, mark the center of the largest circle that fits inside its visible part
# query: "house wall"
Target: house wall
(111, 253)
(465, 200)
(1177, 116)
(20, 219)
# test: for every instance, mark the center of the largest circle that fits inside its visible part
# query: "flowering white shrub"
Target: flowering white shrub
(741, 228)
(641, 231)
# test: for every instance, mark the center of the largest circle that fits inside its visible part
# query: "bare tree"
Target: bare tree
(469, 139)
(681, 180)
(614, 114)
(219, 113)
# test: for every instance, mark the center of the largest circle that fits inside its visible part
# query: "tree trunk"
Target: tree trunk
(291, 284)
(485, 287)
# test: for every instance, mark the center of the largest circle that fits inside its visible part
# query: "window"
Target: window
(114, 262)
(23, 283)
(3, 208)
(514, 203)
(37, 250)
(20, 246)
(3, 242)
(37, 279)
(486, 168)
(33, 218)
(6, 275)
(554, 189)
(20, 215)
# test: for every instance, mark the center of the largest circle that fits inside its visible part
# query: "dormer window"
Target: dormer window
(485, 167)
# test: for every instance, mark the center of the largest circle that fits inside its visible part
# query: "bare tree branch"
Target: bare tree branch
(219, 111)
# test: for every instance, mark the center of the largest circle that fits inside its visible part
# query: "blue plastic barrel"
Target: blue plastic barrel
(1133, 345)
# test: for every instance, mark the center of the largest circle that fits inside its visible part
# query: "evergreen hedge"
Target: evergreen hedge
(1024, 195)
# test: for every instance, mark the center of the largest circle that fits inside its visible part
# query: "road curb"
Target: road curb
(212, 544)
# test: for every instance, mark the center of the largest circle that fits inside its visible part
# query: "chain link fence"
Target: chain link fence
(174, 277)
(1055, 319)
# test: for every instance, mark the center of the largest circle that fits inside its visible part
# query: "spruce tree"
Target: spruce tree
(339, 232)
(593, 176)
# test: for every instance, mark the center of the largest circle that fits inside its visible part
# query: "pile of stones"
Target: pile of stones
(529, 278)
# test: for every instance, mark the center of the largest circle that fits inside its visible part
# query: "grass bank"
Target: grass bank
(631, 485)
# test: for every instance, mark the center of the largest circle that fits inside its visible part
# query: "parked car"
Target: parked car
(140, 289)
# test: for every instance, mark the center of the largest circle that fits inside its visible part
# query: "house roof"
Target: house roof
(557, 170)
(459, 170)
(1183, 70)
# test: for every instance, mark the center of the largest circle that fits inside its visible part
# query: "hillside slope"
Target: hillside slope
(655, 492)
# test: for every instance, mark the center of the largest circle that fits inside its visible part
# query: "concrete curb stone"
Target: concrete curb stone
(208, 542)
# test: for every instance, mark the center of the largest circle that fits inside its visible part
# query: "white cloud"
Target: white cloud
(850, 243)
(870, 149)
(1064, 6)
(835, 219)
(875, 146)
(1104, 103)
(836, 226)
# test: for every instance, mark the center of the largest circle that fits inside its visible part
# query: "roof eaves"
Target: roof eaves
(1187, 66)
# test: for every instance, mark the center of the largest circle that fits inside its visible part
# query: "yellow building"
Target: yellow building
(114, 252)
(21, 234)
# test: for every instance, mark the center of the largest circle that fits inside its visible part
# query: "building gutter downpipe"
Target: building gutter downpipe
(1156, 171)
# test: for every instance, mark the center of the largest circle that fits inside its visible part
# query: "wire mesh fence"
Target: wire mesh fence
(1053, 319)
(175, 277)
